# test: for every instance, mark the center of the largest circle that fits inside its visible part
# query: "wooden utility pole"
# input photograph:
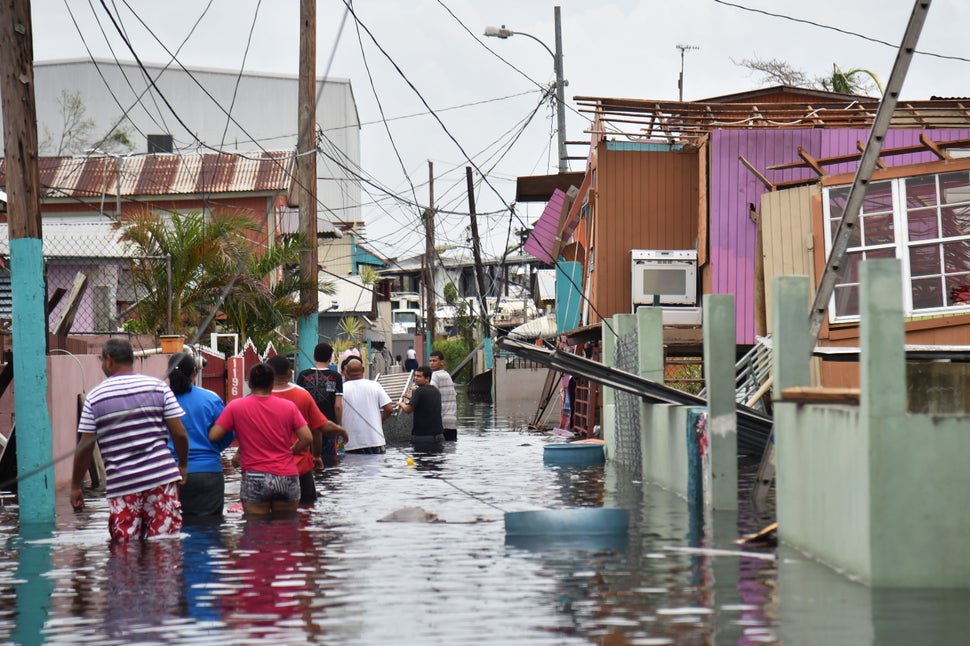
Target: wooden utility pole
(476, 251)
(29, 325)
(308, 328)
(430, 318)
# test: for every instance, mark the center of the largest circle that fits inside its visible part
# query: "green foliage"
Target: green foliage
(454, 349)
(211, 256)
(351, 328)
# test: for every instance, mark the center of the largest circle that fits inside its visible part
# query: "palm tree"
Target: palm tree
(202, 254)
(848, 82)
(215, 265)
(265, 297)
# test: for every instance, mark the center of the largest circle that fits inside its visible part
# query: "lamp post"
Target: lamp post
(680, 81)
(503, 32)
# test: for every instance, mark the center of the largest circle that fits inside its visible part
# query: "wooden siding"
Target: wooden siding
(645, 200)
(786, 230)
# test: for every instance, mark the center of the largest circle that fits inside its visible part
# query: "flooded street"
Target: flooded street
(335, 575)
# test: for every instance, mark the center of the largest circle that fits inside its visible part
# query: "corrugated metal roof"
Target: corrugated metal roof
(166, 174)
(543, 236)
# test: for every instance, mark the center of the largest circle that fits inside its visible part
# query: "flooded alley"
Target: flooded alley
(335, 575)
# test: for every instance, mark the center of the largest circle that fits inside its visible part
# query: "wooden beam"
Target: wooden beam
(862, 148)
(934, 147)
(811, 161)
(816, 395)
(754, 171)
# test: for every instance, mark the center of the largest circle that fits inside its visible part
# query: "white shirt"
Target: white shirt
(363, 400)
(412, 354)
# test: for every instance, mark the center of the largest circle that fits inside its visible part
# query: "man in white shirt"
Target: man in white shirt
(366, 406)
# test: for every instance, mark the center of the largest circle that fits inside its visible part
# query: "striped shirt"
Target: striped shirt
(441, 380)
(128, 412)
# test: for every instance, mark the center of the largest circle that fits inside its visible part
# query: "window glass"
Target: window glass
(879, 198)
(878, 229)
(927, 293)
(923, 224)
(955, 187)
(956, 220)
(921, 192)
(956, 256)
(924, 261)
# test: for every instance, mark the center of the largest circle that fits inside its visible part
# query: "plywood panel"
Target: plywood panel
(786, 221)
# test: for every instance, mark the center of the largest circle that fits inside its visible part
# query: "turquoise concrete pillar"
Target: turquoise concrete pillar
(720, 355)
(34, 594)
(792, 345)
(308, 330)
(35, 468)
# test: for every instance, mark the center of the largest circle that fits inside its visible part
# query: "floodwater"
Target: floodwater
(335, 575)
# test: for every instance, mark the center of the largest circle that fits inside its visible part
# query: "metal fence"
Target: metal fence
(628, 406)
(73, 250)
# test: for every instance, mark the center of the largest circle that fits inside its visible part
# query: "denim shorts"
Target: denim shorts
(258, 487)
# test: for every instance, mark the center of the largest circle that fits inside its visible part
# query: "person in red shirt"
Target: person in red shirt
(264, 427)
(319, 425)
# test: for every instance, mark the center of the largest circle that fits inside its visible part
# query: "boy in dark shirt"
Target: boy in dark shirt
(326, 386)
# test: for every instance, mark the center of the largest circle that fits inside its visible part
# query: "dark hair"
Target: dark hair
(439, 354)
(323, 353)
(120, 350)
(261, 376)
(280, 365)
(181, 367)
(425, 371)
(353, 357)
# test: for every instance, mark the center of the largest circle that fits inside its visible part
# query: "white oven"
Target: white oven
(664, 277)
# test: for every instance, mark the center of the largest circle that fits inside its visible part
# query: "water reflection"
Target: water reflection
(333, 574)
(143, 585)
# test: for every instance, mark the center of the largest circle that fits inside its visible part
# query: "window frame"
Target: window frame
(902, 243)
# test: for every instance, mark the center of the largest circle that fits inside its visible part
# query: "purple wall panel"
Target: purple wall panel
(734, 188)
(542, 240)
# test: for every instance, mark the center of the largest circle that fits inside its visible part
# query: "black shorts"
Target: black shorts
(203, 494)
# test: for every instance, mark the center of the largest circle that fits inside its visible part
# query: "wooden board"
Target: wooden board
(816, 395)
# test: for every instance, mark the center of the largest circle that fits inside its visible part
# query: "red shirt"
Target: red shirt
(264, 427)
(311, 413)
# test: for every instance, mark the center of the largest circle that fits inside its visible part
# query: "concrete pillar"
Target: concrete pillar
(720, 355)
(791, 355)
(608, 421)
(882, 362)
(650, 337)
(35, 468)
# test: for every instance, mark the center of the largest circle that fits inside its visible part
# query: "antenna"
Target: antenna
(680, 81)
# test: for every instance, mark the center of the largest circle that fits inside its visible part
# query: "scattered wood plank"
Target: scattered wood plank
(816, 395)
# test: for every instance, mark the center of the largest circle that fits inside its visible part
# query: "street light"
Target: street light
(503, 32)
(680, 81)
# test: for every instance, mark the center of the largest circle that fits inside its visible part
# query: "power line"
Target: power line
(845, 32)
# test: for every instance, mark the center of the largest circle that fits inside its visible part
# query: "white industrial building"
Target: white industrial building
(189, 110)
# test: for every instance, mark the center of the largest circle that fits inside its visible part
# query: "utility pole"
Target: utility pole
(307, 325)
(680, 81)
(560, 96)
(430, 318)
(35, 493)
(476, 252)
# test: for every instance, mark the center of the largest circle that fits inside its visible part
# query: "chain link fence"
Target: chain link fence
(72, 250)
(628, 406)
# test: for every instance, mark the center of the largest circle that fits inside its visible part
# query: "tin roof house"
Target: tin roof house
(84, 197)
(681, 199)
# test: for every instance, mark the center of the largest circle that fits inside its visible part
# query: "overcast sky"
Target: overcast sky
(612, 48)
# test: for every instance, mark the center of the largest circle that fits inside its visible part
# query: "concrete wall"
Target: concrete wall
(519, 389)
(873, 489)
(69, 377)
